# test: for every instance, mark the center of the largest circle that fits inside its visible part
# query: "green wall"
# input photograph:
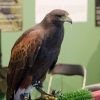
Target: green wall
(81, 45)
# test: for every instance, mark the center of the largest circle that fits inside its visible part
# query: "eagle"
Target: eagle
(35, 53)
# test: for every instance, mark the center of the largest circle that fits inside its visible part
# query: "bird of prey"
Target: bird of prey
(35, 53)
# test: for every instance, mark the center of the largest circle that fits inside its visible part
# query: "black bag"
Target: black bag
(3, 77)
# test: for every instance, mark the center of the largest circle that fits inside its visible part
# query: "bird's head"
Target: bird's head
(58, 15)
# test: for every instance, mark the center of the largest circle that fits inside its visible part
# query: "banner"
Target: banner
(10, 15)
(97, 12)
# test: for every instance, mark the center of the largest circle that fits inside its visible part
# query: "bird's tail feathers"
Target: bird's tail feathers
(9, 95)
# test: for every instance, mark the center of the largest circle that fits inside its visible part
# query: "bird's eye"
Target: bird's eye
(59, 15)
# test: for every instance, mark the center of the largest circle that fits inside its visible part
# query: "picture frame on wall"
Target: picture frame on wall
(97, 12)
(11, 16)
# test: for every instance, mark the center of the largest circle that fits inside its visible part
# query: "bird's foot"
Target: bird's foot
(46, 97)
(54, 93)
(52, 96)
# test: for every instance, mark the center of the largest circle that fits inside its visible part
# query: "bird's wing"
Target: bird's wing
(22, 58)
(53, 65)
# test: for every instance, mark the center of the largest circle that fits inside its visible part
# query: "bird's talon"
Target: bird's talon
(47, 97)
(54, 93)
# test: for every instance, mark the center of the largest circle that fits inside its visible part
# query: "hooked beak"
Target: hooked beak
(66, 18)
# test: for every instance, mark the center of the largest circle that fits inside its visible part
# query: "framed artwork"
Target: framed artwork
(97, 12)
(10, 15)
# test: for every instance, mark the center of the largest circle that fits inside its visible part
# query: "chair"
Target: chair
(93, 87)
(68, 69)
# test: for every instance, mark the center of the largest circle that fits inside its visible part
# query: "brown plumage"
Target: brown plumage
(36, 51)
